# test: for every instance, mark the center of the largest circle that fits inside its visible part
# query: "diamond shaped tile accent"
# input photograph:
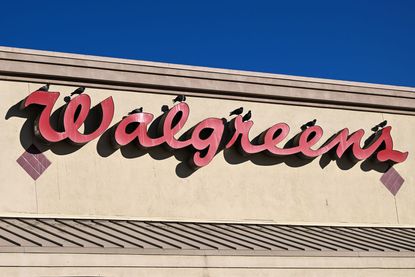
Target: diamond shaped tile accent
(33, 162)
(392, 180)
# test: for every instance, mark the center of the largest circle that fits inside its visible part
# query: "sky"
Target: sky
(367, 41)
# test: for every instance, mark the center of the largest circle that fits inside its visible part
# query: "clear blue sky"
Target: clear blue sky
(370, 41)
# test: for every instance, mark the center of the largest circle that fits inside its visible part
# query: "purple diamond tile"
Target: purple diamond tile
(33, 162)
(392, 180)
(28, 168)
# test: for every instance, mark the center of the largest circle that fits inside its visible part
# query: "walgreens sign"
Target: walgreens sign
(205, 138)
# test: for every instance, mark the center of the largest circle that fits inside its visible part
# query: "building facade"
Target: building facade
(319, 181)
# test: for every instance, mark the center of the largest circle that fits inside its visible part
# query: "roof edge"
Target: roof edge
(149, 77)
(86, 57)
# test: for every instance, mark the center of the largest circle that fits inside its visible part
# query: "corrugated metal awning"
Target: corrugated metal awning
(82, 235)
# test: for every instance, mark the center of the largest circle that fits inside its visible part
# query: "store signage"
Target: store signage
(206, 137)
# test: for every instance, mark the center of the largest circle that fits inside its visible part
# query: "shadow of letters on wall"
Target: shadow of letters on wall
(140, 133)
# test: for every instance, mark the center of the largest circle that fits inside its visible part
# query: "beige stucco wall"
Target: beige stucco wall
(214, 266)
(84, 183)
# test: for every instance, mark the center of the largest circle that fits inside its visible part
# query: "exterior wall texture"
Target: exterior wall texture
(96, 181)
(134, 265)
(91, 180)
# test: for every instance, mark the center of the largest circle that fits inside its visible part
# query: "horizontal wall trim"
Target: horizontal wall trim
(36, 235)
(119, 74)
(189, 220)
(184, 252)
(226, 262)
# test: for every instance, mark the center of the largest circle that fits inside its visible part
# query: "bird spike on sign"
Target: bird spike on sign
(205, 138)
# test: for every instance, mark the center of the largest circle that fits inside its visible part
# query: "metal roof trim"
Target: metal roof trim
(57, 235)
